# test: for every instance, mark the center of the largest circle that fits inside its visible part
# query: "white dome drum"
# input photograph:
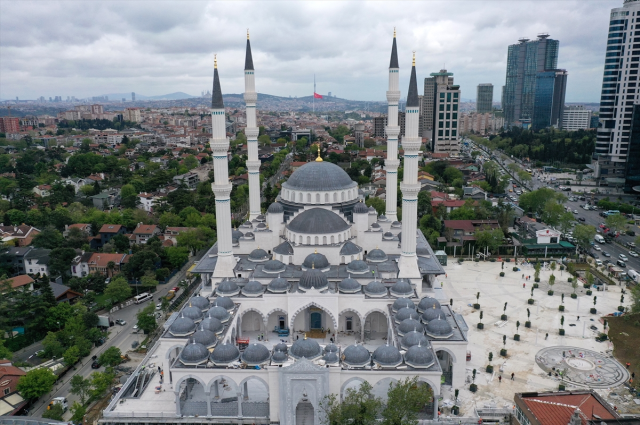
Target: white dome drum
(319, 183)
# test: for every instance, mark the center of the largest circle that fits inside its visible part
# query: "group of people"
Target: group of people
(513, 377)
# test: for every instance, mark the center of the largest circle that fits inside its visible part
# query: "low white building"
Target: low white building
(546, 236)
(576, 118)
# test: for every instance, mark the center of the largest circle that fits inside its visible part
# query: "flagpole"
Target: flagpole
(314, 93)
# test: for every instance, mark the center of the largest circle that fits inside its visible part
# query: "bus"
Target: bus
(139, 299)
(611, 212)
(528, 170)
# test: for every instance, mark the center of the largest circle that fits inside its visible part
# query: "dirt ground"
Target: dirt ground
(625, 333)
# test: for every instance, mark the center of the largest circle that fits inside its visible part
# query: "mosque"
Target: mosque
(314, 297)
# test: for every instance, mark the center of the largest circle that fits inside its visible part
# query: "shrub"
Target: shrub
(530, 301)
(501, 274)
(561, 307)
(602, 337)
(480, 325)
(493, 260)
(477, 260)
(455, 410)
(574, 296)
(516, 337)
(515, 269)
(537, 279)
(620, 308)
(589, 292)
(503, 352)
(549, 292)
(569, 280)
(561, 387)
(489, 369)
(476, 306)
(586, 285)
(536, 285)
(527, 324)
(561, 331)
(593, 311)
(503, 317)
(561, 268)
(473, 388)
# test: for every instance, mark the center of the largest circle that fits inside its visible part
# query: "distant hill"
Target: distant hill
(171, 96)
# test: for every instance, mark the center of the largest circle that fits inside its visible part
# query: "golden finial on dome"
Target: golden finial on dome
(313, 265)
(247, 33)
(315, 251)
(305, 335)
(215, 61)
(414, 58)
(394, 32)
(318, 159)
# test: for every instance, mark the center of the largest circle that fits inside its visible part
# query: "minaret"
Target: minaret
(251, 131)
(410, 187)
(393, 130)
(221, 186)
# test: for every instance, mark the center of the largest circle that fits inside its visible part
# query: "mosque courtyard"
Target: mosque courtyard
(586, 363)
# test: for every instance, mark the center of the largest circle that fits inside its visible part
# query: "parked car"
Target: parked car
(95, 365)
(121, 322)
(581, 219)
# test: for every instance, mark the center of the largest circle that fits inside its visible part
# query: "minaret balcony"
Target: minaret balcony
(393, 96)
(250, 97)
(251, 132)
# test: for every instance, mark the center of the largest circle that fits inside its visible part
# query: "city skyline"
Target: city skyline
(170, 49)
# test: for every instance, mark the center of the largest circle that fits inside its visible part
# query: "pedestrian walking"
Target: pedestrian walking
(523, 275)
(500, 379)
(578, 318)
(513, 376)
(546, 336)
(523, 285)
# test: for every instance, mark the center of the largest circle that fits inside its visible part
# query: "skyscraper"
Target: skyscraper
(133, 96)
(619, 94)
(445, 113)
(525, 61)
(548, 106)
(484, 99)
(428, 101)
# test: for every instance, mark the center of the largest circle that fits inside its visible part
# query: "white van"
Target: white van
(599, 239)
(634, 275)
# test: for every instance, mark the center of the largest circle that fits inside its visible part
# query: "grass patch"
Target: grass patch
(625, 347)
(380, 148)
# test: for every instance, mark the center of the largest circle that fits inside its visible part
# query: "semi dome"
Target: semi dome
(402, 303)
(419, 357)
(279, 357)
(275, 208)
(331, 348)
(201, 302)
(406, 313)
(373, 210)
(331, 358)
(274, 266)
(377, 256)
(281, 346)
(224, 302)
(194, 354)
(284, 248)
(307, 348)
(193, 313)
(427, 303)
(349, 286)
(317, 221)
(249, 235)
(402, 288)
(247, 224)
(253, 288)
(349, 248)
(356, 356)
(431, 314)
(319, 176)
(261, 217)
(227, 288)
(182, 326)
(408, 325)
(439, 329)
(258, 255)
(360, 208)
(255, 354)
(205, 337)
(220, 313)
(387, 356)
(413, 338)
(358, 267)
(279, 285)
(375, 289)
(236, 234)
(212, 324)
(224, 354)
(313, 278)
(319, 261)
(388, 236)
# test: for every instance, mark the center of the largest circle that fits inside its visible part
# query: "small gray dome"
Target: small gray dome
(274, 266)
(212, 324)
(224, 302)
(227, 288)
(201, 302)
(331, 348)
(382, 217)
(419, 357)
(193, 313)
(247, 224)
(360, 208)
(331, 358)
(375, 226)
(349, 286)
(409, 325)
(313, 278)
(281, 346)
(194, 354)
(275, 208)
(402, 303)
(431, 314)
(258, 255)
(377, 256)
(236, 234)
(261, 226)
(249, 235)
(279, 357)
(439, 329)
(414, 338)
(387, 236)
(402, 288)
(396, 224)
(252, 288)
(357, 266)
(387, 356)
(224, 354)
(182, 326)
(260, 217)
(373, 210)
(427, 303)
(375, 288)
(279, 285)
(307, 348)
(356, 356)
(220, 313)
(255, 354)
(349, 248)
(316, 260)
(205, 337)
(406, 313)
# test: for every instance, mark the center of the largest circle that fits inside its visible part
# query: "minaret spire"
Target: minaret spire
(252, 131)
(393, 131)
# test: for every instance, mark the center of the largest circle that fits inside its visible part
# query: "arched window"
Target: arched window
(324, 240)
(309, 197)
(342, 260)
(343, 196)
(317, 198)
(333, 240)
(300, 197)
(308, 240)
(300, 240)
(340, 238)
(335, 196)
(326, 197)
(316, 241)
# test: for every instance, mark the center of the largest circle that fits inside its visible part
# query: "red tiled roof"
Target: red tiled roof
(21, 280)
(557, 409)
(449, 203)
(11, 371)
(145, 229)
(100, 259)
(110, 228)
(81, 226)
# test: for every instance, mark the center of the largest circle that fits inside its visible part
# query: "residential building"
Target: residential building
(574, 407)
(17, 254)
(149, 200)
(106, 200)
(84, 227)
(619, 94)
(144, 232)
(481, 124)
(107, 231)
(525, 61)
(11, 402)
(64, 294)
(98, 263)
(9, 125)
(189, 179)
(576, 118)
(171, 233)
(548, 107)
(21, 281)
(474, 192)
(76, 182)
(379, 124)
(42, 190)
(445, 117)
(37, 261)
(132, 114)
(19, 235)
(80, 265)
(484, 98)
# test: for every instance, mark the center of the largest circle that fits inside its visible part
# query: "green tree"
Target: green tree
(195, 239)
(489, 238)
(5, 353)
(80, 387)
(100, 382)
(264, 140)
(118, 290)
(147, 319)
(60, 262)
(536, 273)
(584, 233)
(110, 357)
(176, 255)
(54, 412)
(169, 219)
(148, 281)
(49, 238)
(358, 406)
(376, 203)
(552, 212)
(76, 238)
(616, 222)
(78, 410)
(72, 355)
(405, 399)
(121, 243)
(36, 383)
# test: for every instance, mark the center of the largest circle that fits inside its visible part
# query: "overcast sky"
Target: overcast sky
(87, 48)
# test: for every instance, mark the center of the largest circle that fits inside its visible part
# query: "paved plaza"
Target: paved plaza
(464, 281)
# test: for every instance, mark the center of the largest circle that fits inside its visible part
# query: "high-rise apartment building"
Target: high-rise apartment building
(548, 107)
(428, 105)
(379, 123)
(445, 116)
(133, 96)
(9, 124)
(525, 61)
(619, 94)
(576, 118)
(484, 98)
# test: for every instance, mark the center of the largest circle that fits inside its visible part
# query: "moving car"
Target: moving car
(606, 254)
(597, 248)
(121, 322)
(95, 365)
(623, 257)
(633, 254)
(622, 263)
(582, 219)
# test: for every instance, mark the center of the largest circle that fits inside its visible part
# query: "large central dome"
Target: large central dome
(317, 221)
(319, 176)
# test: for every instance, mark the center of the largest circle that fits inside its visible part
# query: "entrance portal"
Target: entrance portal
(316, 320)
(304, 413)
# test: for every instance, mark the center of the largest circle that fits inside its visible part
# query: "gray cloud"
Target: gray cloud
(87, 48)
